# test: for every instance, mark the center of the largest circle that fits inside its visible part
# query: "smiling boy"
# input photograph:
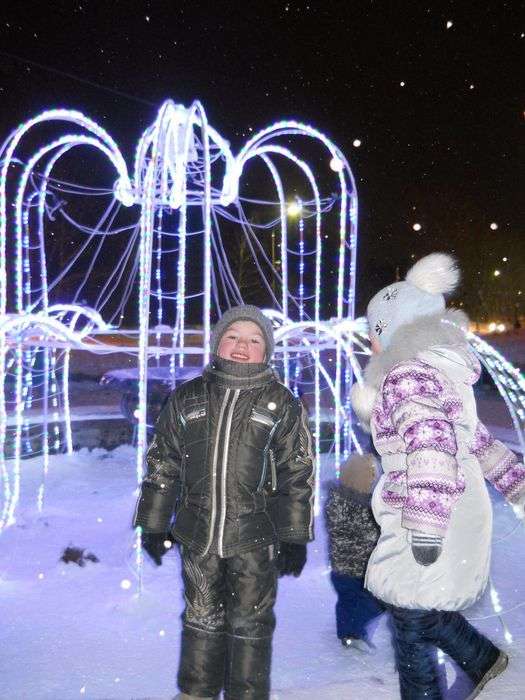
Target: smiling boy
(232, 455)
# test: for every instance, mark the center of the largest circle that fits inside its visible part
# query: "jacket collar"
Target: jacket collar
(238, 375)
(428, 335)
(412, 339)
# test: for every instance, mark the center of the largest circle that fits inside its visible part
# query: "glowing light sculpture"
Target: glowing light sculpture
(182, 164)
(185, 193)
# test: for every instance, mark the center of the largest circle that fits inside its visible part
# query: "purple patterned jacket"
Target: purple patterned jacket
(415, 414)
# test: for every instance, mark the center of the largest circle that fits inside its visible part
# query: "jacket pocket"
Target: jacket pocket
(394, 491)
(260, 428)
(193, 419)
(262, 418)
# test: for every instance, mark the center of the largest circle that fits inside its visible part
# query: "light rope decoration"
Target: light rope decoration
(186, 184)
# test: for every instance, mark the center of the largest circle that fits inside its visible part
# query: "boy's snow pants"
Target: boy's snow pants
(228, 624)
(418, 634)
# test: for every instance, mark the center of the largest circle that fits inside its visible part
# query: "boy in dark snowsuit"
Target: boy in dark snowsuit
(353, 534)
(232, 455)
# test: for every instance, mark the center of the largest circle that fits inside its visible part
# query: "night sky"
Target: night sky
(433, 90)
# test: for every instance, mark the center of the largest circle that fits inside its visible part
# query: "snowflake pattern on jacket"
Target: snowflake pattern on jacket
(416, 415)
(352, 530)
(500, 466)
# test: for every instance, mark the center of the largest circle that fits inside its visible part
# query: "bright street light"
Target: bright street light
(294, 209)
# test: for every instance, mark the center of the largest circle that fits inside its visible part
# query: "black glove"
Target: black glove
(291, 559)
(426, 548)
(154, 543)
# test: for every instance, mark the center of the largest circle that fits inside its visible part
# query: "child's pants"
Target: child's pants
(355, 606)
(417, 633)
(228, 624)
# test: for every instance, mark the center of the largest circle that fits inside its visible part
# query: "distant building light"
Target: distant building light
(294, 209)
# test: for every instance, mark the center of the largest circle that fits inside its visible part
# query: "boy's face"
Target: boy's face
(242, 341)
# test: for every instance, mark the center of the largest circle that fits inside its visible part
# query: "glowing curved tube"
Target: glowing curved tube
(8, 151)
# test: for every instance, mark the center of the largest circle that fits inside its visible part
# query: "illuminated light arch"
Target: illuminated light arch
(176, 169)
(176, 165)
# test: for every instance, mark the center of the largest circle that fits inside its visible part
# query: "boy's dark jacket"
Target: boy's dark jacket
(233, 456)
(352, 530)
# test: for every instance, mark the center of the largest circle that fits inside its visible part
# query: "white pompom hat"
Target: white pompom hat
(422, 293)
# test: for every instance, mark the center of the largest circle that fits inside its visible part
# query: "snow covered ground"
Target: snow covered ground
(69, 632)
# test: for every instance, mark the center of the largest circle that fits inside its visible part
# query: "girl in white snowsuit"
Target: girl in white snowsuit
(433, 555)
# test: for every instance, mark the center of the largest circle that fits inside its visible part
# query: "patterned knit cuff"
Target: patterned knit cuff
(427, 511)
(506, 473)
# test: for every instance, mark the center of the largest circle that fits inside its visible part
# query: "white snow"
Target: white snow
(70, 632)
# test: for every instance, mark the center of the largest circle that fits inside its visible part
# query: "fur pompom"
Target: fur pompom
(436, 273)
(362, 397)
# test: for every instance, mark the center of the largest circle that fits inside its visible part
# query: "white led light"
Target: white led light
(336, 164)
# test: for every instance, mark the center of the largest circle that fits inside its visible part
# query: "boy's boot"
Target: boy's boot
(248, 669)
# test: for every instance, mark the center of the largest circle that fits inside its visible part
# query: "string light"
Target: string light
(170, 145)
(174, 168)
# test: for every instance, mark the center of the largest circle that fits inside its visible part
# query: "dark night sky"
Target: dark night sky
(438, 110)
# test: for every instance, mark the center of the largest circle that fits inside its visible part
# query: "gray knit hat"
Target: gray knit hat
(421, 294)
(245, 312)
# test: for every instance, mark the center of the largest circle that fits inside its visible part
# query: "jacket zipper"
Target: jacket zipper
(225, 469)
(266, 449)
(274, 472)
(214, 472)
